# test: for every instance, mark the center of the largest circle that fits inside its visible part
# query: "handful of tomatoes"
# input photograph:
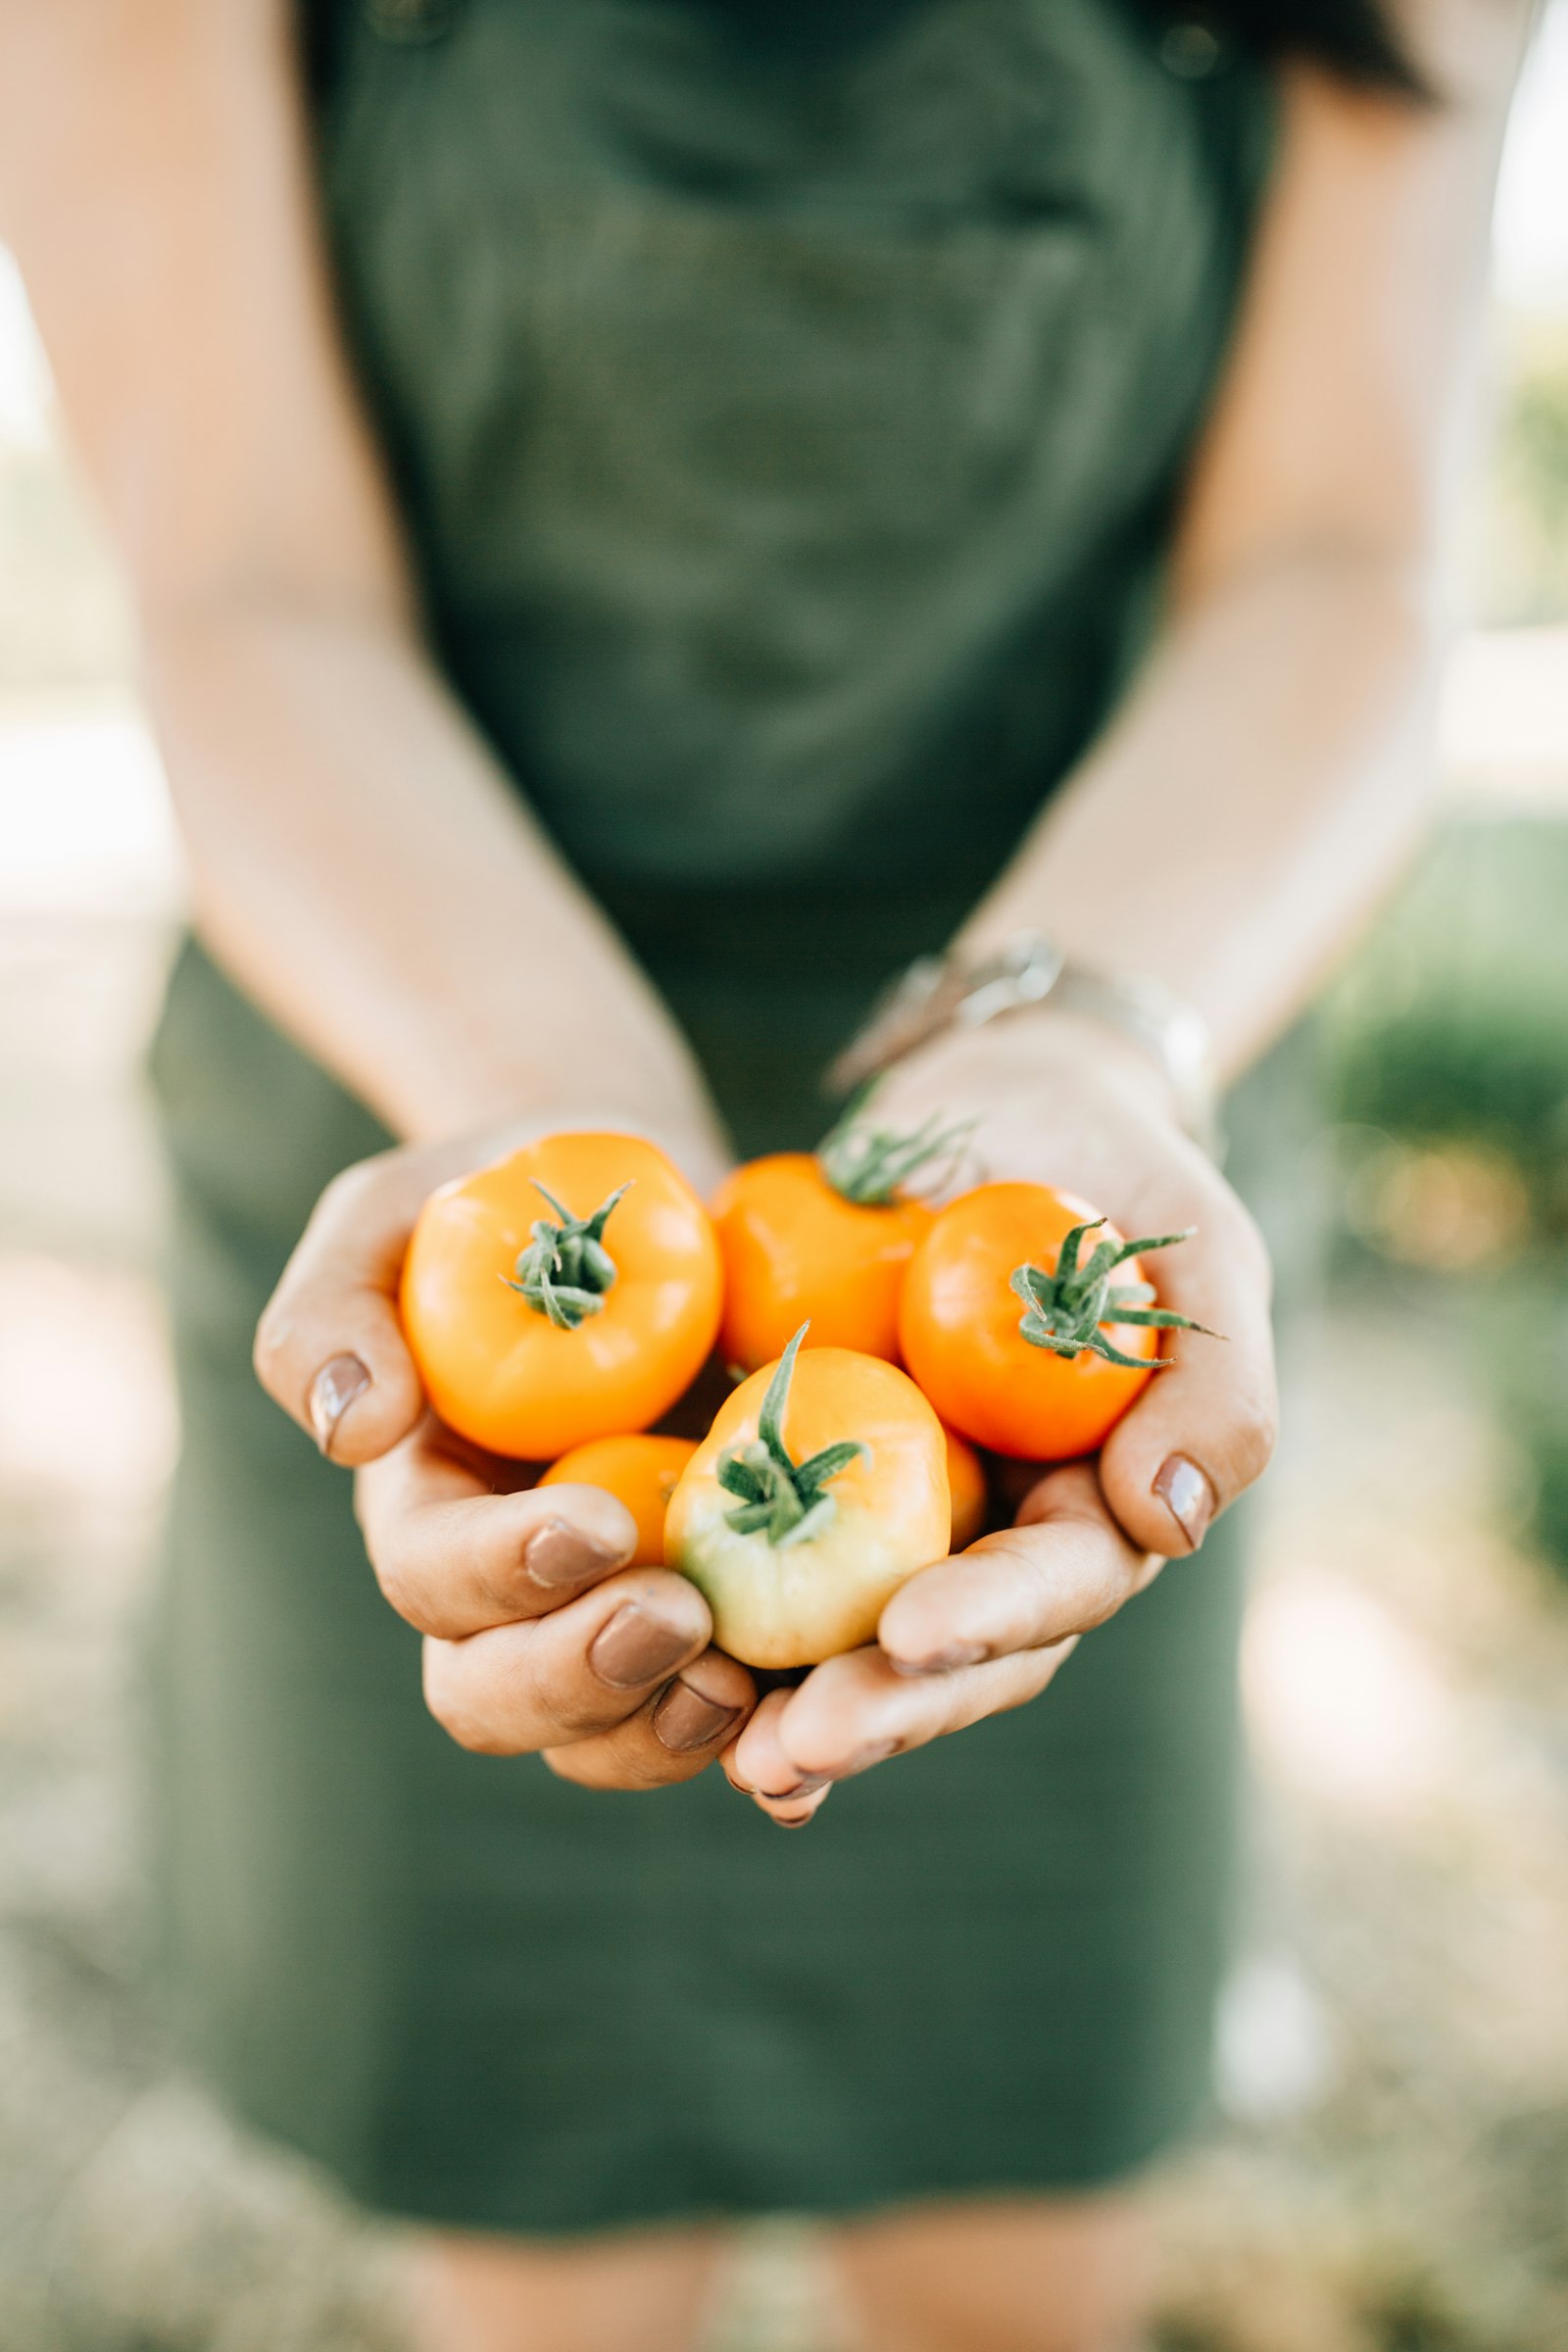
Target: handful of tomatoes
(876, 1341)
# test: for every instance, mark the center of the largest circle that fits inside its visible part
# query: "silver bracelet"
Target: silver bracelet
(938, 993)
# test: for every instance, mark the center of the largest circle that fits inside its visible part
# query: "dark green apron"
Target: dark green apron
(788, 432)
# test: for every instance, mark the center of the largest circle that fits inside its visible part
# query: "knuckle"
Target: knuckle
(646, 1765)
(400, 1589)
(272, 1334)
(347, 1191)
(1253, 1433)
(593, 1764)
(451, 1702)
(579, 1715)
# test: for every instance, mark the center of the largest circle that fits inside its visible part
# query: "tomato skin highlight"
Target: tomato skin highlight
(504, 1375)
(642, 1472)
(795, 1250)
(794, 1605)
(966, 1484)
(958, 1330)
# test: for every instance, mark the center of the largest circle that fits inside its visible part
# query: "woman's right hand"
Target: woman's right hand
(537, 1635)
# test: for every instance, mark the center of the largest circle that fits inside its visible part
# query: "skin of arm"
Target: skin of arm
(1265, 780)
(358, 862)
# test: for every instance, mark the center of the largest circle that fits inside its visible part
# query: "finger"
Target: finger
(1065, 1566)
(768, 1777)
(673, 1736)
(858, 1711)
(454, 1557)
(1201, 1432)
(329, 1348)
(549, 1681)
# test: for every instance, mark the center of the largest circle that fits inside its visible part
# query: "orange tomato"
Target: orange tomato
(639, 1471)
(1009, 1339)
(570, 1292)
(820, 1488)
(824, 1238)
(966, 1484)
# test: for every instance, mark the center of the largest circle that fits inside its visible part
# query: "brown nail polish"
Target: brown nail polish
(636, 1646)
(332, 1392)
(558, 1556)
(944, 1661)
(684, 1718)
(1188, 1496)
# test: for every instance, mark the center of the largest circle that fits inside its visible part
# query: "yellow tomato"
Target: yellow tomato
(820, 1488)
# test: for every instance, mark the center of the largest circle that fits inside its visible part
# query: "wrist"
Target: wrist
(583, 1075)
(1124, 1018)
(1039, 1049)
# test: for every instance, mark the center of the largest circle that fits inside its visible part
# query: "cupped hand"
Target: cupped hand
(538, 1638)
(1065, 1102)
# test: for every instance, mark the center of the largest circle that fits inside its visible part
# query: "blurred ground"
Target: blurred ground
(1393, 2172)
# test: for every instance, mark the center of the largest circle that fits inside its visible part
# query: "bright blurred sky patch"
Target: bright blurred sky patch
(1530, 229)
(23, 376)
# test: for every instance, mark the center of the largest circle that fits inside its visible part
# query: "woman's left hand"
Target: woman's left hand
(1066, 1103)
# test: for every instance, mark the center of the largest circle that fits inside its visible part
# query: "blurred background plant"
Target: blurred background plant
(1393, 2058)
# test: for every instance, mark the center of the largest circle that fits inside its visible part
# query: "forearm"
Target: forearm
(1251, 803)
(363, 870)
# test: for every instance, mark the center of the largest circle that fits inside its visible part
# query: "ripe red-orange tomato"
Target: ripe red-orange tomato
(966, 1484)
(826, 1238)
(642, 1472)
(795, 1250)
(570, 1292)
(964, 1315)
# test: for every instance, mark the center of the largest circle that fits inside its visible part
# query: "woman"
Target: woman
(636, 506)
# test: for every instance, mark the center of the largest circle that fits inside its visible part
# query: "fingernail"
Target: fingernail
(556, 1557)
(636, 1646)
(1188, 1496)
(943, 1661)
(807, 1787)
(332, 1392)
(684, 1718)
(864, 1757)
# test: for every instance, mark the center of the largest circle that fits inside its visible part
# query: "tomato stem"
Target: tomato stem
(1066, 1308)
(872, 1165)
(784, 1498)
(565, 1269)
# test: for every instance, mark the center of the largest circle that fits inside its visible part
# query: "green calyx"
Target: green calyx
(871, 1166)
(565, 1269)
(1065, 1309)
(785, 1499)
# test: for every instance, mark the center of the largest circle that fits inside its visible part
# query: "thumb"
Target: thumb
(1201, 1432)
(329, 1348)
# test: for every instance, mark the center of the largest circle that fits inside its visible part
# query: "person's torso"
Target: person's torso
(788, 429)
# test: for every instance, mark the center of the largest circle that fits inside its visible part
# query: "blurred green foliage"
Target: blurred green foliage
(1447, 1051)
(1524, 531)
(1452, 1023)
